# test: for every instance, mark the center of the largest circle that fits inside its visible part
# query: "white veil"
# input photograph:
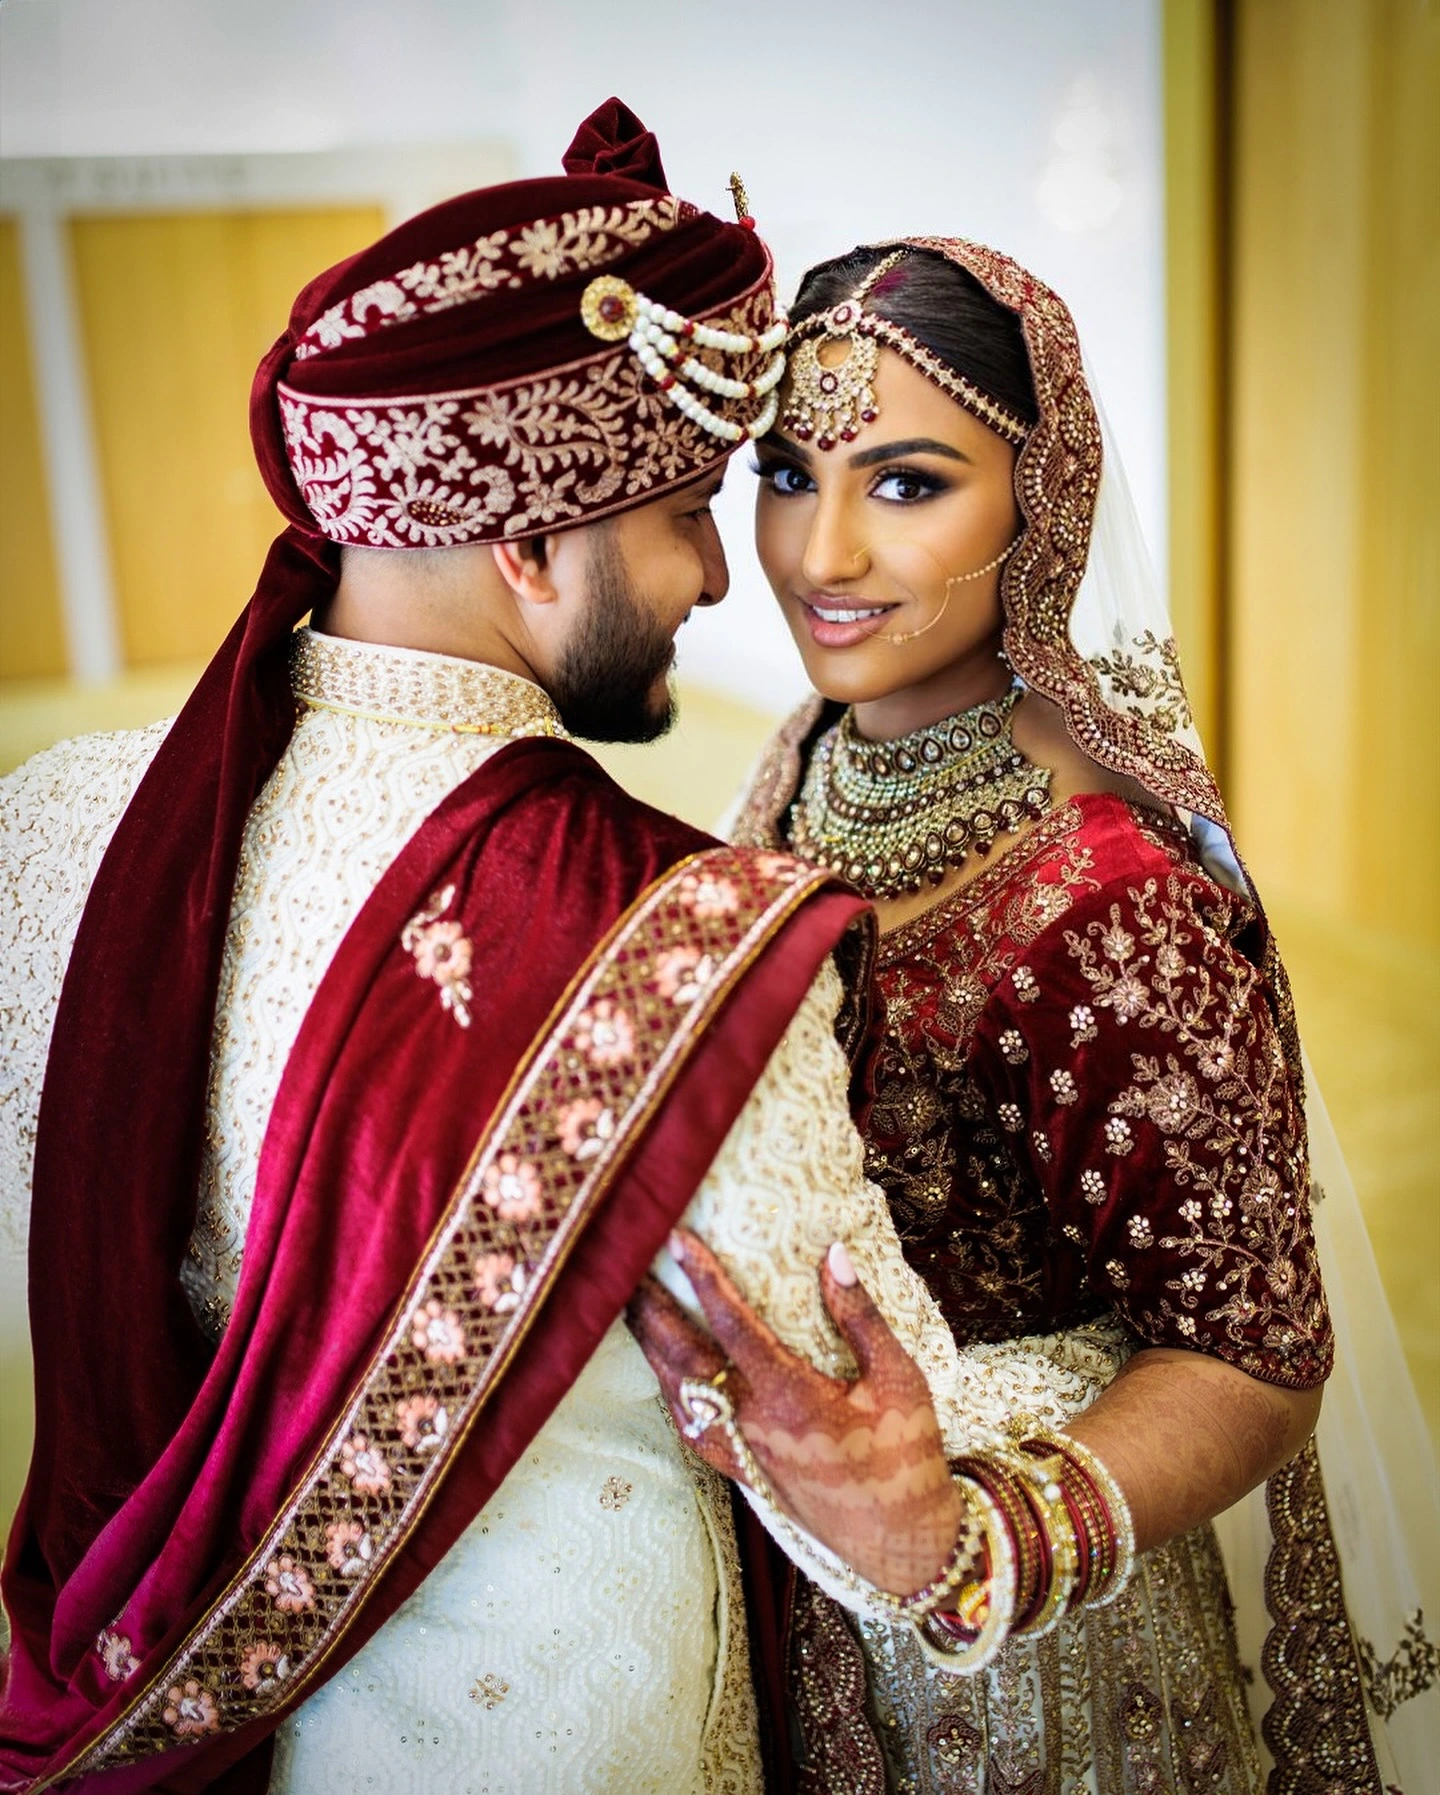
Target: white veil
(1376, 1456)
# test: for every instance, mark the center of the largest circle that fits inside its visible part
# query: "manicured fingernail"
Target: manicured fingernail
(677, 1248)
(842, 1268)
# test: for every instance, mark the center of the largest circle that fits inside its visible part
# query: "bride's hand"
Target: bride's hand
(861, 1466)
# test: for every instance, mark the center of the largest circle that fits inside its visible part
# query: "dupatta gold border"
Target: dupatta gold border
(591, 1081)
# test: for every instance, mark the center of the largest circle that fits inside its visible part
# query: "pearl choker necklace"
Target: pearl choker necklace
(889, 817)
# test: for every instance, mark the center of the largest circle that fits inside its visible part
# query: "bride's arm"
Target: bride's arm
(1185, 1436)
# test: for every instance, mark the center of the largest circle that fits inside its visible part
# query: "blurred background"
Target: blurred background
(1240, 199)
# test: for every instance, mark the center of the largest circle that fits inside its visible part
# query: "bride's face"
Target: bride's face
(867, 544)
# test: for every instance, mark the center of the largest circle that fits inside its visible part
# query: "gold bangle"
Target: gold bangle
(1042, 1481)
(1109, 1578)
(990, 1605)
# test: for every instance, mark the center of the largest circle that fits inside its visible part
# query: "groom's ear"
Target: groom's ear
(525, 568)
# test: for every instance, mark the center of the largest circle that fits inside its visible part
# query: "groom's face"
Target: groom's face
(637, 576)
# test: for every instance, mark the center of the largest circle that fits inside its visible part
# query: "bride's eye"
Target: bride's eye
(905, 486)
(782, 477)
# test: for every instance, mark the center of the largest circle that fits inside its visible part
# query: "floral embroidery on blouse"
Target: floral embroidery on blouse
(1221, 1102)
(1083, 1102)
(442, 953)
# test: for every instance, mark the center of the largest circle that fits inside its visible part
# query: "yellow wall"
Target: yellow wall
(1336, 457)
(1304, 247)
(32, 640)
(175, 313)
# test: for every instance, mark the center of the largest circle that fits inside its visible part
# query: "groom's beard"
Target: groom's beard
(607, 685)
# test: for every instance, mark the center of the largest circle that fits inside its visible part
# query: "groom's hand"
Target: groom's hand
(860, 1465)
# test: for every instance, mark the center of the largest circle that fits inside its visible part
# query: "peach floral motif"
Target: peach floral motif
(437, 1330)
(586, 1128)
(423, 1422)
(778, 866)
(511, 1186)
(116, 1655)
(264, 1665)
(364, 1465)
(190, 1710)
(683, 973)
(287, 1584)
(709, 897)
(605, 1034)
(348, 1547)
(442, 953)
(500, 1282)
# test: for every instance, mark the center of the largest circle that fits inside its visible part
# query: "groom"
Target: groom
(393, 1042)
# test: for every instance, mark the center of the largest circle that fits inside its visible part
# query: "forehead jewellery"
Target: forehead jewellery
(833, 359)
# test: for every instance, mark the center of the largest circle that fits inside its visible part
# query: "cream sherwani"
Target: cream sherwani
(586, 1632)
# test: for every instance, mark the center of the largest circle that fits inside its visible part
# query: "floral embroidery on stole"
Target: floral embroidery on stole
(592, 1080)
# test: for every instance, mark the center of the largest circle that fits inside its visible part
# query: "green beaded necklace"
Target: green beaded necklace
(890, 817)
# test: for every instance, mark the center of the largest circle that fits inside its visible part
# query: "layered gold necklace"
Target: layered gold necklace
(890, 817)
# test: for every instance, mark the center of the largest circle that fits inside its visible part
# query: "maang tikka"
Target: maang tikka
(832, 402)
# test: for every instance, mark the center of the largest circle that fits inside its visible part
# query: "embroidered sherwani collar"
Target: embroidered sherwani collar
(411, 687)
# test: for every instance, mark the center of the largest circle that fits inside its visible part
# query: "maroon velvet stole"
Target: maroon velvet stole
(512, 1079)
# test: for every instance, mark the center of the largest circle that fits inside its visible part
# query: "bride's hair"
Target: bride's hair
(942, 306)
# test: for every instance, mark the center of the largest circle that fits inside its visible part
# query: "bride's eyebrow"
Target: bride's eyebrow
(914, 445)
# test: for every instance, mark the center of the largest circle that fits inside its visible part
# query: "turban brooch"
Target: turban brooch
(522, 358)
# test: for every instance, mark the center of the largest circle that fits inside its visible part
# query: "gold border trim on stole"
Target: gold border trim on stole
(719, 909)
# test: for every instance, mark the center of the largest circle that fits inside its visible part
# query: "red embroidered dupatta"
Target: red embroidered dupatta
(474, 1154)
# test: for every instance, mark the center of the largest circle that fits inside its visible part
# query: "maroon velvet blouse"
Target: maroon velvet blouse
(1082, 1103)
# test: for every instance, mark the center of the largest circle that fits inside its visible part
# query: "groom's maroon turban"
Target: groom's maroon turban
(521, 358)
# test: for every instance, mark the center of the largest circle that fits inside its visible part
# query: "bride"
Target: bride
(1088, 1108)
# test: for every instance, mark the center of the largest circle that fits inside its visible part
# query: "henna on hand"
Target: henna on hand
(677, 1349)
(859, 1464)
